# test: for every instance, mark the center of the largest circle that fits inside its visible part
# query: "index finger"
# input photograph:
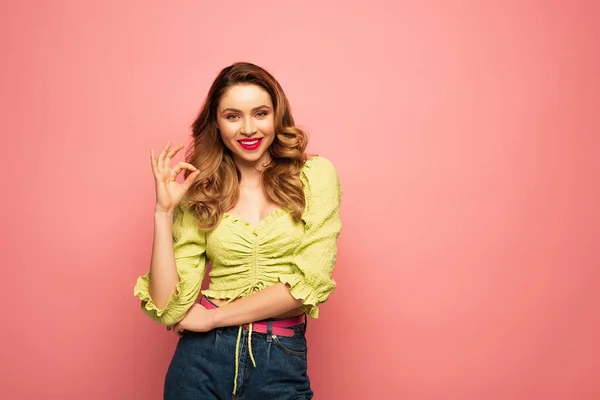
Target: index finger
(172, 153)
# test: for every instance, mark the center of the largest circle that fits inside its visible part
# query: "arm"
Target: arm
(271, 301)
(267, 303)
(162, 276)
(177, 265)
(178, 268)
(311, 279)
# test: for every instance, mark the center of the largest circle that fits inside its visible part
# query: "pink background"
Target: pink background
(466, 137)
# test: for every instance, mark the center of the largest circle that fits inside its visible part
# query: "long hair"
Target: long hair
(216, 189)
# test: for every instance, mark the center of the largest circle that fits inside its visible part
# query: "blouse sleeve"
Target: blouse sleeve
(314, 260)
(189, 246)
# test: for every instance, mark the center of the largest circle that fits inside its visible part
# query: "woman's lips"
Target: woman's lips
(250, 144)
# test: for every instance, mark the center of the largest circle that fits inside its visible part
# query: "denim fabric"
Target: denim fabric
(203, 366)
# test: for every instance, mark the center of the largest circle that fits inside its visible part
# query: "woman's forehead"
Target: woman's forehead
(245, 98)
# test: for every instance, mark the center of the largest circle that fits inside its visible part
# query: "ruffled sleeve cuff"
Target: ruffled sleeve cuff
(311, 295)
(176, 307)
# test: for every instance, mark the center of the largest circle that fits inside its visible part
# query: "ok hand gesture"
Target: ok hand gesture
(169, 192)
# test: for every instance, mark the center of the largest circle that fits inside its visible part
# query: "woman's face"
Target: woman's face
(245, 118)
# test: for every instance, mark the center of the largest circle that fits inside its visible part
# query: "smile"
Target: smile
(250, 144)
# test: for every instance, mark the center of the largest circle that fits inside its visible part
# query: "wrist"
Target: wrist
(159, 213)
(216, 318)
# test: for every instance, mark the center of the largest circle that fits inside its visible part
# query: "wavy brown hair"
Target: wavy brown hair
(216, 189)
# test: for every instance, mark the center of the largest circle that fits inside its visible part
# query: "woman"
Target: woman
(267, 217)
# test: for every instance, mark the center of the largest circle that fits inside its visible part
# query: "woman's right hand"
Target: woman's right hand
(169, 192)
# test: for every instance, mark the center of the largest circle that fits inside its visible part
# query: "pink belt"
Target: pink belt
(278, 326)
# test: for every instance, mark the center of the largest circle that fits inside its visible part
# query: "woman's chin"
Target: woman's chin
(250, 157)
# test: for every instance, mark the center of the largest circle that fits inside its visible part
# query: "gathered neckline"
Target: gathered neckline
(272, 216)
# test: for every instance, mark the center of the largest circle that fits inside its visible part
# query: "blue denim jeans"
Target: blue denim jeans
(203, 366)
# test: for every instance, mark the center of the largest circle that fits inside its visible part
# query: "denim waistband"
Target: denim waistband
(295, 328)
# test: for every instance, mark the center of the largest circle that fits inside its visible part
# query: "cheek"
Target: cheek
(268, 127)
(228, 140)
(227, 133)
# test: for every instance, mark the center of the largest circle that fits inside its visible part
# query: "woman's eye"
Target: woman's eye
(231, 117)
(261, 113)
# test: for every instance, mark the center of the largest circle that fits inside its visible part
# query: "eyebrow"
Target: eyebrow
(253, 110)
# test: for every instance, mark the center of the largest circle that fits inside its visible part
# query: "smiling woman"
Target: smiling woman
(267, 217)
(246, 128)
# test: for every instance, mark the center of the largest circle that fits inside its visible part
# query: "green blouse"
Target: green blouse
(301, 253)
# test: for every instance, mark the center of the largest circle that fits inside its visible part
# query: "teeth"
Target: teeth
(250, 143)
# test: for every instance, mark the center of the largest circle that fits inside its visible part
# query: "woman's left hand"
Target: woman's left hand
(197, 319)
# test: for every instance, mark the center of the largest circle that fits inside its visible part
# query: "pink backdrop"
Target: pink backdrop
(466, 136)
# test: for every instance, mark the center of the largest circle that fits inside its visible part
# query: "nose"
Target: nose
(247, 128)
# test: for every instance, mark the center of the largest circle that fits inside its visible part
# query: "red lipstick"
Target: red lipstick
(250, 144)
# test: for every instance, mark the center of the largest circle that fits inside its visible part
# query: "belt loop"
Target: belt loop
(269, 331)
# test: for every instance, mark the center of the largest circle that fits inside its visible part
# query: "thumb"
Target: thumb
(190, 179)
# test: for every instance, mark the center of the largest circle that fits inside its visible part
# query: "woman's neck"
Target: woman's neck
(251, 171)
